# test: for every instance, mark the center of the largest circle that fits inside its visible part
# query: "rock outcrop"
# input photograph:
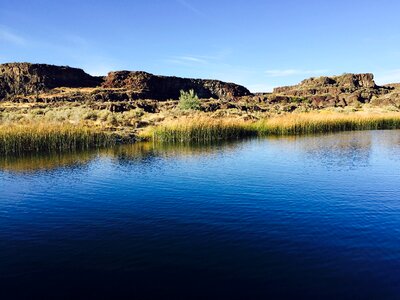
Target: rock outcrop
(151, 86)
(27, 78)
(347, 89)
(23, 79)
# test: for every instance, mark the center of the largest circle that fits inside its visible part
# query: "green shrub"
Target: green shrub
(189, 101)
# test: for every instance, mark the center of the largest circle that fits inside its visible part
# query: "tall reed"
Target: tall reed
(208, 129)
(201, 129)
(45, 137)
(308, 123)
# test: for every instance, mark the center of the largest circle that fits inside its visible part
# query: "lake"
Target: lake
(293, 217)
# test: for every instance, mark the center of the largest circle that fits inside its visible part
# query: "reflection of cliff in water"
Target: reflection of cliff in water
(340, 150)
(142, 153)
(388, 141)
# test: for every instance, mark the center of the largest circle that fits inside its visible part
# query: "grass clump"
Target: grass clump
(189, 101)
(201, 129)
(44, 137)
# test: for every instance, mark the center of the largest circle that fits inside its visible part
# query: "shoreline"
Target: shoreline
(43, 135)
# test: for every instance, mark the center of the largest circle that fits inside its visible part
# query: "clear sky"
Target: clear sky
(257, 43)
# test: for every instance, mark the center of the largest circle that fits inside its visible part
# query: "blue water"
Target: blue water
(314, 217)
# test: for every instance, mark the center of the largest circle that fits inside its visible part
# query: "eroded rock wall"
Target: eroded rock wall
(23, 79)
(27, 78)
(168, 87)
(347, 89)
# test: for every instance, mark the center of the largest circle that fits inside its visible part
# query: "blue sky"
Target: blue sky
(257, 43)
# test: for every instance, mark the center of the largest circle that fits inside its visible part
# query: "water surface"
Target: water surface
(295, 217)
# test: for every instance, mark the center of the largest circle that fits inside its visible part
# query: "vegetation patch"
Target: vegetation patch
(201, 129)
(47, 137)
(189, 101)
(324, 122)
(208, 129)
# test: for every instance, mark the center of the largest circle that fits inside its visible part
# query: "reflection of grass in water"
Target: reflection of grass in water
(44, 161)
(144, 150)
(210, 129)
(49, 137)
(137, 152)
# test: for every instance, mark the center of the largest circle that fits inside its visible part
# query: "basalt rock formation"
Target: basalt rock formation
(168, 87)
(19, 80)
(347, 89)
(27, 79)
(25, 82)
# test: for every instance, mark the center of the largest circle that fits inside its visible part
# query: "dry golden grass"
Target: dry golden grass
(208, 129)
(199, 129)
(321, 122)
(38, 127)
(50, 137)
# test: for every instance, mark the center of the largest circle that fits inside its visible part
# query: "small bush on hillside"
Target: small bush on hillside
(189, 100)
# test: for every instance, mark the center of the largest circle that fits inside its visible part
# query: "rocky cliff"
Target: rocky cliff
(22, 79)
(168, 87)
(26, 78)
(347, 89)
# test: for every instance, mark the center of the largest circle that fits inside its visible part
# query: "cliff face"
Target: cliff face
(336, 84)
(23, 79)
(168, 87)
(26, 78)
(347, 89)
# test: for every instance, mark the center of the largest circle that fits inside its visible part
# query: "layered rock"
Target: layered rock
(347, 89)
(27, 78)
(168, 87)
